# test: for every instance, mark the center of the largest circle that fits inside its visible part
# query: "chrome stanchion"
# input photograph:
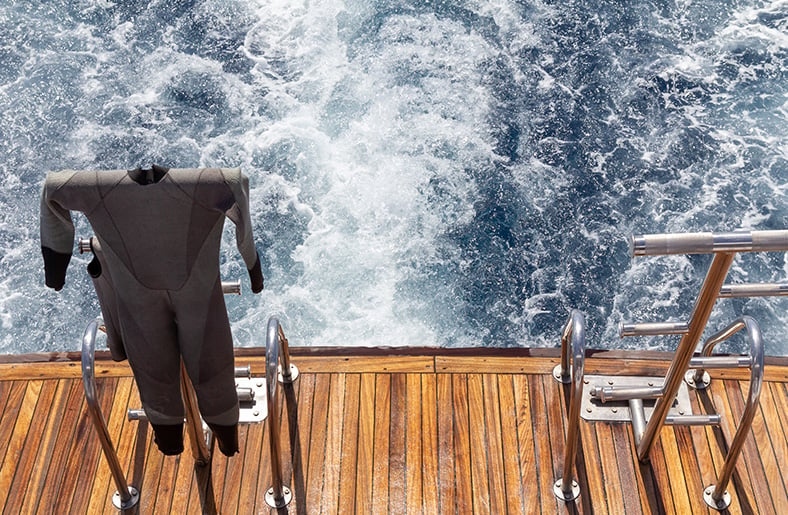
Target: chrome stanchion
(126, 496)
(566, 488)
(279, 495)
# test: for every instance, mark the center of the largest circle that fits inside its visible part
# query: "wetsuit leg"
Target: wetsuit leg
(150, 340)
(207, 348)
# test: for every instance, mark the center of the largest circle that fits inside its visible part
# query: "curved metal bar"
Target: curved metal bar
(278, 495)
(566, 488)
(126, 496)
(719, 337)
(717, 497)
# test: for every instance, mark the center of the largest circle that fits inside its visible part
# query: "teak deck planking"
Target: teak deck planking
(381, 432)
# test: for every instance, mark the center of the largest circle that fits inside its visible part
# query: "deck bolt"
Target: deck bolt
(651, 383)
(256, 413)
(681, 412)
(585, 381)
(588, 410)
(610, 382)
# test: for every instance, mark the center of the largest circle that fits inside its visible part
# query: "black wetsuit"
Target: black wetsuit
(156, 271)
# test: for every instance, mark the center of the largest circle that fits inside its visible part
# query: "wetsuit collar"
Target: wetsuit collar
(150, 176)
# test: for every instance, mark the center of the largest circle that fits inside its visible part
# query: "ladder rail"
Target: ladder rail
(716, 496)
(680, 364)
(126, 495)
(277, 369)
(572, 345)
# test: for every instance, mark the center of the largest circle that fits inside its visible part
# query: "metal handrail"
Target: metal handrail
(716, 495)
(708, 242)
(276, 348)
(700, 317)
(566, 488)
(126, 496)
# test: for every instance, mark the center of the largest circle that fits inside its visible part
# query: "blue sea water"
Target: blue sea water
(449, 173)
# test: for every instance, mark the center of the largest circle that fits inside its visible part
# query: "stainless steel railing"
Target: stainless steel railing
(276, 350)
(709, 242)
(724, 246)
(715, 495)
(199, 436)
(572, 344)
(126, 495)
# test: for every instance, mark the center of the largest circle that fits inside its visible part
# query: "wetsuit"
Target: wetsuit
(158, 234)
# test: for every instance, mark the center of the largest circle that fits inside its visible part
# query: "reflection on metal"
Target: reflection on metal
(278, 495)
(126, 496)
(574, 335)
(231, 287)
(85, 245)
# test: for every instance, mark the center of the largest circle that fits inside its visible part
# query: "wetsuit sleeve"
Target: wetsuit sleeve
(57, 231)
(239, 214)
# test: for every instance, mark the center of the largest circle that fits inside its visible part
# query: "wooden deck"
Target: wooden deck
(438, 432)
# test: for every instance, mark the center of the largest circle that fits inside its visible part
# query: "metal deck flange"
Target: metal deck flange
(118, 503)
(293, 374)
(253, 409)
(618, 411)
(724, 502)
(689, 378)
(271, 500)
(566, 496)
(563, 379)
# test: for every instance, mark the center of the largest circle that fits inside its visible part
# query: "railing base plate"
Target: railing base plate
(271, 500)
(719, 506)
(256, 410)
(566, 496)
(592, 409)
(689, 378)
(120, 505)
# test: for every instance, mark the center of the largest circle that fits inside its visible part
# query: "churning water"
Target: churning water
(454, 173)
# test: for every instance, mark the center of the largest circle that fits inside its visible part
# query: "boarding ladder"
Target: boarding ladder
(667, 397)
(250, 391)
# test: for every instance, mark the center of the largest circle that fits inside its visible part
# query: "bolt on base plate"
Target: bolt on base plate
(271, 501)
(724, 502)
(566, 496)
(704, 383)
(120, 505)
